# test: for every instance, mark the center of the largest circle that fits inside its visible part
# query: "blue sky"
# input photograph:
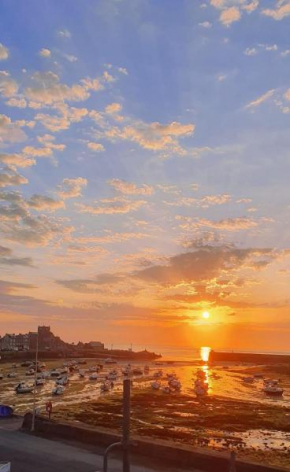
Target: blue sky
(144, 152)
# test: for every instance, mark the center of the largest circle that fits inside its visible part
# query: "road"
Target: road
(29, 453)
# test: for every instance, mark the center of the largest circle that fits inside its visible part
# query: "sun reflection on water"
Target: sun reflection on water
(204, 353)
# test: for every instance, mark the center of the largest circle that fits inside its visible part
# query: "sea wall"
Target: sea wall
(249, 358)
(181, 455)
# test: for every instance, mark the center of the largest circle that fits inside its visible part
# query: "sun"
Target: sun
(205, 315)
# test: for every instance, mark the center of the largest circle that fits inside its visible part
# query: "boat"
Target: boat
(110, 361)
(62, 381)
(11, 375)
(146, 369)
(39, 382)
(106, 386)
(112, 375)
(82, 374)
(93, 376)
(14, 366)
(55, 373)
(137, 371)
(23, 388)
(174, 384)
(200, 391)
(58, 390)
(155, 385)
(158, 374)
(30, 372)
(273, 390)
(166, 390)
(1, 376)
(5, 411)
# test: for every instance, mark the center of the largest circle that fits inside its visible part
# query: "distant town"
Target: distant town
(49, 345)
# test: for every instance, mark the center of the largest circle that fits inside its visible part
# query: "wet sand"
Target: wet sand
(234, 415)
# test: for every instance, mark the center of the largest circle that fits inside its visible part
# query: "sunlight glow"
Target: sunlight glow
(206, 315)
(204, 353)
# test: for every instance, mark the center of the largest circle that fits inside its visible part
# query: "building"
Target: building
(32, 340)
(96, 345)
(8, 342)
(22, 342)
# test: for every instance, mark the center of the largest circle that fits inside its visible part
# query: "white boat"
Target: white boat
(39, 382)
(23, 388)
(11, 375)
(110, 361)
(155, 385)
(30, 372)
(62, 381)
(59, 390)
(55, 373)
(93, 376)
(112, 376)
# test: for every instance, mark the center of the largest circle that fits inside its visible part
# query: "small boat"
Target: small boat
(11, 375)
(146, 369)
(23, 388)
(93, 369)
(158, 374)
(155, 385)
(200, 391)
(112, 376)
(25, 364)
(273, 390)
(5, 411)
(55, 373)
(59, 390)
(110, 361)
(61, 381)
(175, 384)
(43, 366)
(137, 371)
(106, 386)
(166, 390)
(39, 382)
(93, 376)
(30, 372)
(82, 374)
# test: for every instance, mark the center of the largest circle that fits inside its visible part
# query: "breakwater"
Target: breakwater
(248, 358)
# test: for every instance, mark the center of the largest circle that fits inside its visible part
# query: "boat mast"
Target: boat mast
(35, 379)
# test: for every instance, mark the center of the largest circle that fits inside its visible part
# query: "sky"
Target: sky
(144, 171)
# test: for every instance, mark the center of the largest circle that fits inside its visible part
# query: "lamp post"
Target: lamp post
(35, 379)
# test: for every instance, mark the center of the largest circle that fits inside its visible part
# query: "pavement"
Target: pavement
(29, 453)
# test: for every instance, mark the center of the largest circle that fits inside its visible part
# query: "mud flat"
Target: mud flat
(257, 432)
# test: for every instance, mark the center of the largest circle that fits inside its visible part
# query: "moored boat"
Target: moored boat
(23, 388)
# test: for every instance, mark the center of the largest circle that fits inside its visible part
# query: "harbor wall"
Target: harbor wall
(181, 455)
(249, 358)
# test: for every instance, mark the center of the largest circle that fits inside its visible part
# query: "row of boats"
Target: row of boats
(271, 387)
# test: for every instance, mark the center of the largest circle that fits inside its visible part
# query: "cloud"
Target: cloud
(117, 205)
(16, 160)
(4, 52)
(129, 188)
(41, 202)
(205, 24)
(154, 136)
(110, 237)
(230, 15)
(44, 52)
(72, 188)
(123, 70)
(67, 115)
(10, 131)
(97, 147)
(229, 224)
(10, 177)
(250, 51)
(70, 57)
(215, 200)
(281, 11)
(113, 108)
(8, 86)
(64, 33)
(47, 140)
(7, 258)
(37, 152)
(90, 285)
(202, 264)
(263, 98)
(16, 102)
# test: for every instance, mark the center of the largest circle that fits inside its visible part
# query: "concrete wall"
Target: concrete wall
(181, 455)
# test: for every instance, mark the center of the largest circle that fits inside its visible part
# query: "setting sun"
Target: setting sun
(205, 315)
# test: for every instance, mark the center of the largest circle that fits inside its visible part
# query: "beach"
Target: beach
(234, 414)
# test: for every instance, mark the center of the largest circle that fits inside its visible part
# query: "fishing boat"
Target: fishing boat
(11, 375)
(112, 375)
(137, 371)
(55, 373)
(110, 361)
(62, 381)
(30, 372)
(23, 388)
(59, 390)
(93, 376)
(155, 385)
(39, 382)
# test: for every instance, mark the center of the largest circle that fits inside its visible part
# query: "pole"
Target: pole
(126, 424)
(35, 379)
